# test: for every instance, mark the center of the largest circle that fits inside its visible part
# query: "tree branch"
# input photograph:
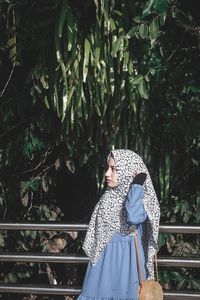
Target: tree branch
(9, 78)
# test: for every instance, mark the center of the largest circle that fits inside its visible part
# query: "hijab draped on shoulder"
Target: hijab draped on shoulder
(109, 215)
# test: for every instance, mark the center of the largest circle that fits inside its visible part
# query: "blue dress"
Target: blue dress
(115, 275)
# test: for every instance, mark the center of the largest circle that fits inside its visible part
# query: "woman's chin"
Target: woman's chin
(111, 185)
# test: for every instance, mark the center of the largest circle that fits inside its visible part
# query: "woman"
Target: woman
(125, 206)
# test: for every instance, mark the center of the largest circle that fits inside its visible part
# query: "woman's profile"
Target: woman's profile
(128, 205)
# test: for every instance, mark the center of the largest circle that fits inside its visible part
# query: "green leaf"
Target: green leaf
(181, 283)
(66, 102)
(147, 8)
(64, 106)
(196, 284)
(25, 199)
(131, 32)
(177, 208)
(174, 11)
(146, 77)
(161, 5)
(186, 216)
(62, 17)
(96, 56)
(143, 30)
(161, 239)
(44, 81)
(162, 18)
(2, 240)
(117, 45)
(12, 277)
(137, 19)
(112, 24)
(11, 42)
(86, 58)
(154, 29)
(13, 54)
(97, 110)
(56, 100)
(117, 12)
(137, 79)
(152, 71)
(70, 31)
(142, 87)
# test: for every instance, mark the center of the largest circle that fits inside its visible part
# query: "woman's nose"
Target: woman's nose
(108, 173)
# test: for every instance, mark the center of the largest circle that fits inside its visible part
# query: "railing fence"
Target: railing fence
(71, 259)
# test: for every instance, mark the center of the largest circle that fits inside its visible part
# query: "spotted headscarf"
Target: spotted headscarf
(109, 215)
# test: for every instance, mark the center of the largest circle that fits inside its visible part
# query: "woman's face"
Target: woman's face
(111, 175)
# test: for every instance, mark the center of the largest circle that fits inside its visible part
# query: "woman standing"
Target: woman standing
(128, 204)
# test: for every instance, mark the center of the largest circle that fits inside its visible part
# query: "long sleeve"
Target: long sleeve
(136, 213)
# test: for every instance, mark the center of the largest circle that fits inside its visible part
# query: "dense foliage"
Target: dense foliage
(81, 77)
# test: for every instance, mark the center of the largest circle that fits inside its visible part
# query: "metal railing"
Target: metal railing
(82, 227)
(43, 226)
(71, 259)
(52, 290)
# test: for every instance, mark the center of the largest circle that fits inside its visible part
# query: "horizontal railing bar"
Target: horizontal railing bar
(60, 258)
(54, 290)
(192, 229)
(50, 258)
(82, 227)
(43, 226)
(186, 262)
(181, 295)
(34, 289)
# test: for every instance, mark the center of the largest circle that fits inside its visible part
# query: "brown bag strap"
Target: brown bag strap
(138, 260)
(156, 265)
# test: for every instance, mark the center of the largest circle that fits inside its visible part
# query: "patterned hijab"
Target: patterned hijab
(109, 215)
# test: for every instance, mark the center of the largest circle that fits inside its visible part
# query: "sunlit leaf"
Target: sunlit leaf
(132, 31)
(154, 29)
(63, 14)
(137, 79)
(117, 45)
(162, 18)
(161, 5)
(70, 33)
(147, 8)
(143, 90)
(143, 30)
(137, 19)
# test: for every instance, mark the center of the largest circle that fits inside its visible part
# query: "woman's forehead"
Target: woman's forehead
(111, 161)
